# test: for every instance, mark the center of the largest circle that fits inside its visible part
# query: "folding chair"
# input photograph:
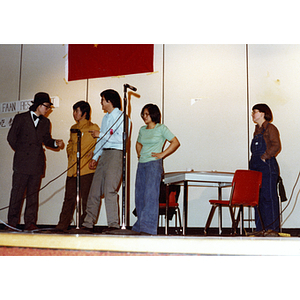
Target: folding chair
(244, 192)
(173, 208)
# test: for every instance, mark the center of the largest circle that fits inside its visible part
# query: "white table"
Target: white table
(195, 178)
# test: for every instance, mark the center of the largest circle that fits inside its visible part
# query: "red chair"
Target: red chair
(173, 208)
(244, 192)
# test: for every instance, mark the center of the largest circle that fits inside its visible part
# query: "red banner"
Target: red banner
(99, 60)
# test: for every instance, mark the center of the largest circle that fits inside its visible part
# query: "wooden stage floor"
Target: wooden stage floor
(51, 244)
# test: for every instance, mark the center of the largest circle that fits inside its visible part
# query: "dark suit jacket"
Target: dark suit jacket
(27, 142)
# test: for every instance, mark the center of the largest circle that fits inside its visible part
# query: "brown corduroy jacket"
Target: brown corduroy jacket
(271, 137)
(87, 146)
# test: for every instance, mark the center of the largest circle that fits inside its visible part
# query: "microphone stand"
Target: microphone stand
(75, 231)
(123, 230)
(78, 180)
(123, 226)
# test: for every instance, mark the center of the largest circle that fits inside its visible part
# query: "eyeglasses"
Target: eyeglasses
(255, 111)
(47, 106)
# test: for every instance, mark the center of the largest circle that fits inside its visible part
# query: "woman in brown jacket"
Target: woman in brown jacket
(264, 147)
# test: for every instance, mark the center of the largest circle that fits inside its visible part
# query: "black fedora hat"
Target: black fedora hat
(40, 98)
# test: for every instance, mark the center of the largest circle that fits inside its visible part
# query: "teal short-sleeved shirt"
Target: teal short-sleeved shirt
(153, 141)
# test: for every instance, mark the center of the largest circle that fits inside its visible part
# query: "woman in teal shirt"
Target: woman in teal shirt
(149, 148)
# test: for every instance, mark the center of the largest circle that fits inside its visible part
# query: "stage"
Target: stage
(53, 244)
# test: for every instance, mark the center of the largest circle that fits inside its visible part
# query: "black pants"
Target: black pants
(69, 204)
(22, 183)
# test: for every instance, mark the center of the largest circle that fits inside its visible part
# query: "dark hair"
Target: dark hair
(34, 107)
(84, 107)
(154, 112)
(264, 108)
(112, 96)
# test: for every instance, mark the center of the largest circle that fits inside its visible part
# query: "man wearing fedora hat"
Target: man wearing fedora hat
(29, 131)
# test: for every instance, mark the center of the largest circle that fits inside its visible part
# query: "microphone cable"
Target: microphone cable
(296, 200)
(289, 202)
(13, 228)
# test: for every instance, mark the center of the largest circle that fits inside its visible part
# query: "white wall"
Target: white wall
(274, 79)
(213, 131)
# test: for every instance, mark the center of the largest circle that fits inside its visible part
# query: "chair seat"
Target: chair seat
(222, 202)
(173, 205)
(226, 203)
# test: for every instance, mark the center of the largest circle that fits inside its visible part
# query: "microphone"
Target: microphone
(130, 87)
(75, 131)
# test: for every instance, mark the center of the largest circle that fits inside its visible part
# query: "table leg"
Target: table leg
(220, 210)
(167, 210)
(185, 208)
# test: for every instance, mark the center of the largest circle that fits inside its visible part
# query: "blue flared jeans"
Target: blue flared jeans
(147, 189)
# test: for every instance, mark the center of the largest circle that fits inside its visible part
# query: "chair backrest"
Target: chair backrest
(174, 191)
(245, 187)
(173, 198)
